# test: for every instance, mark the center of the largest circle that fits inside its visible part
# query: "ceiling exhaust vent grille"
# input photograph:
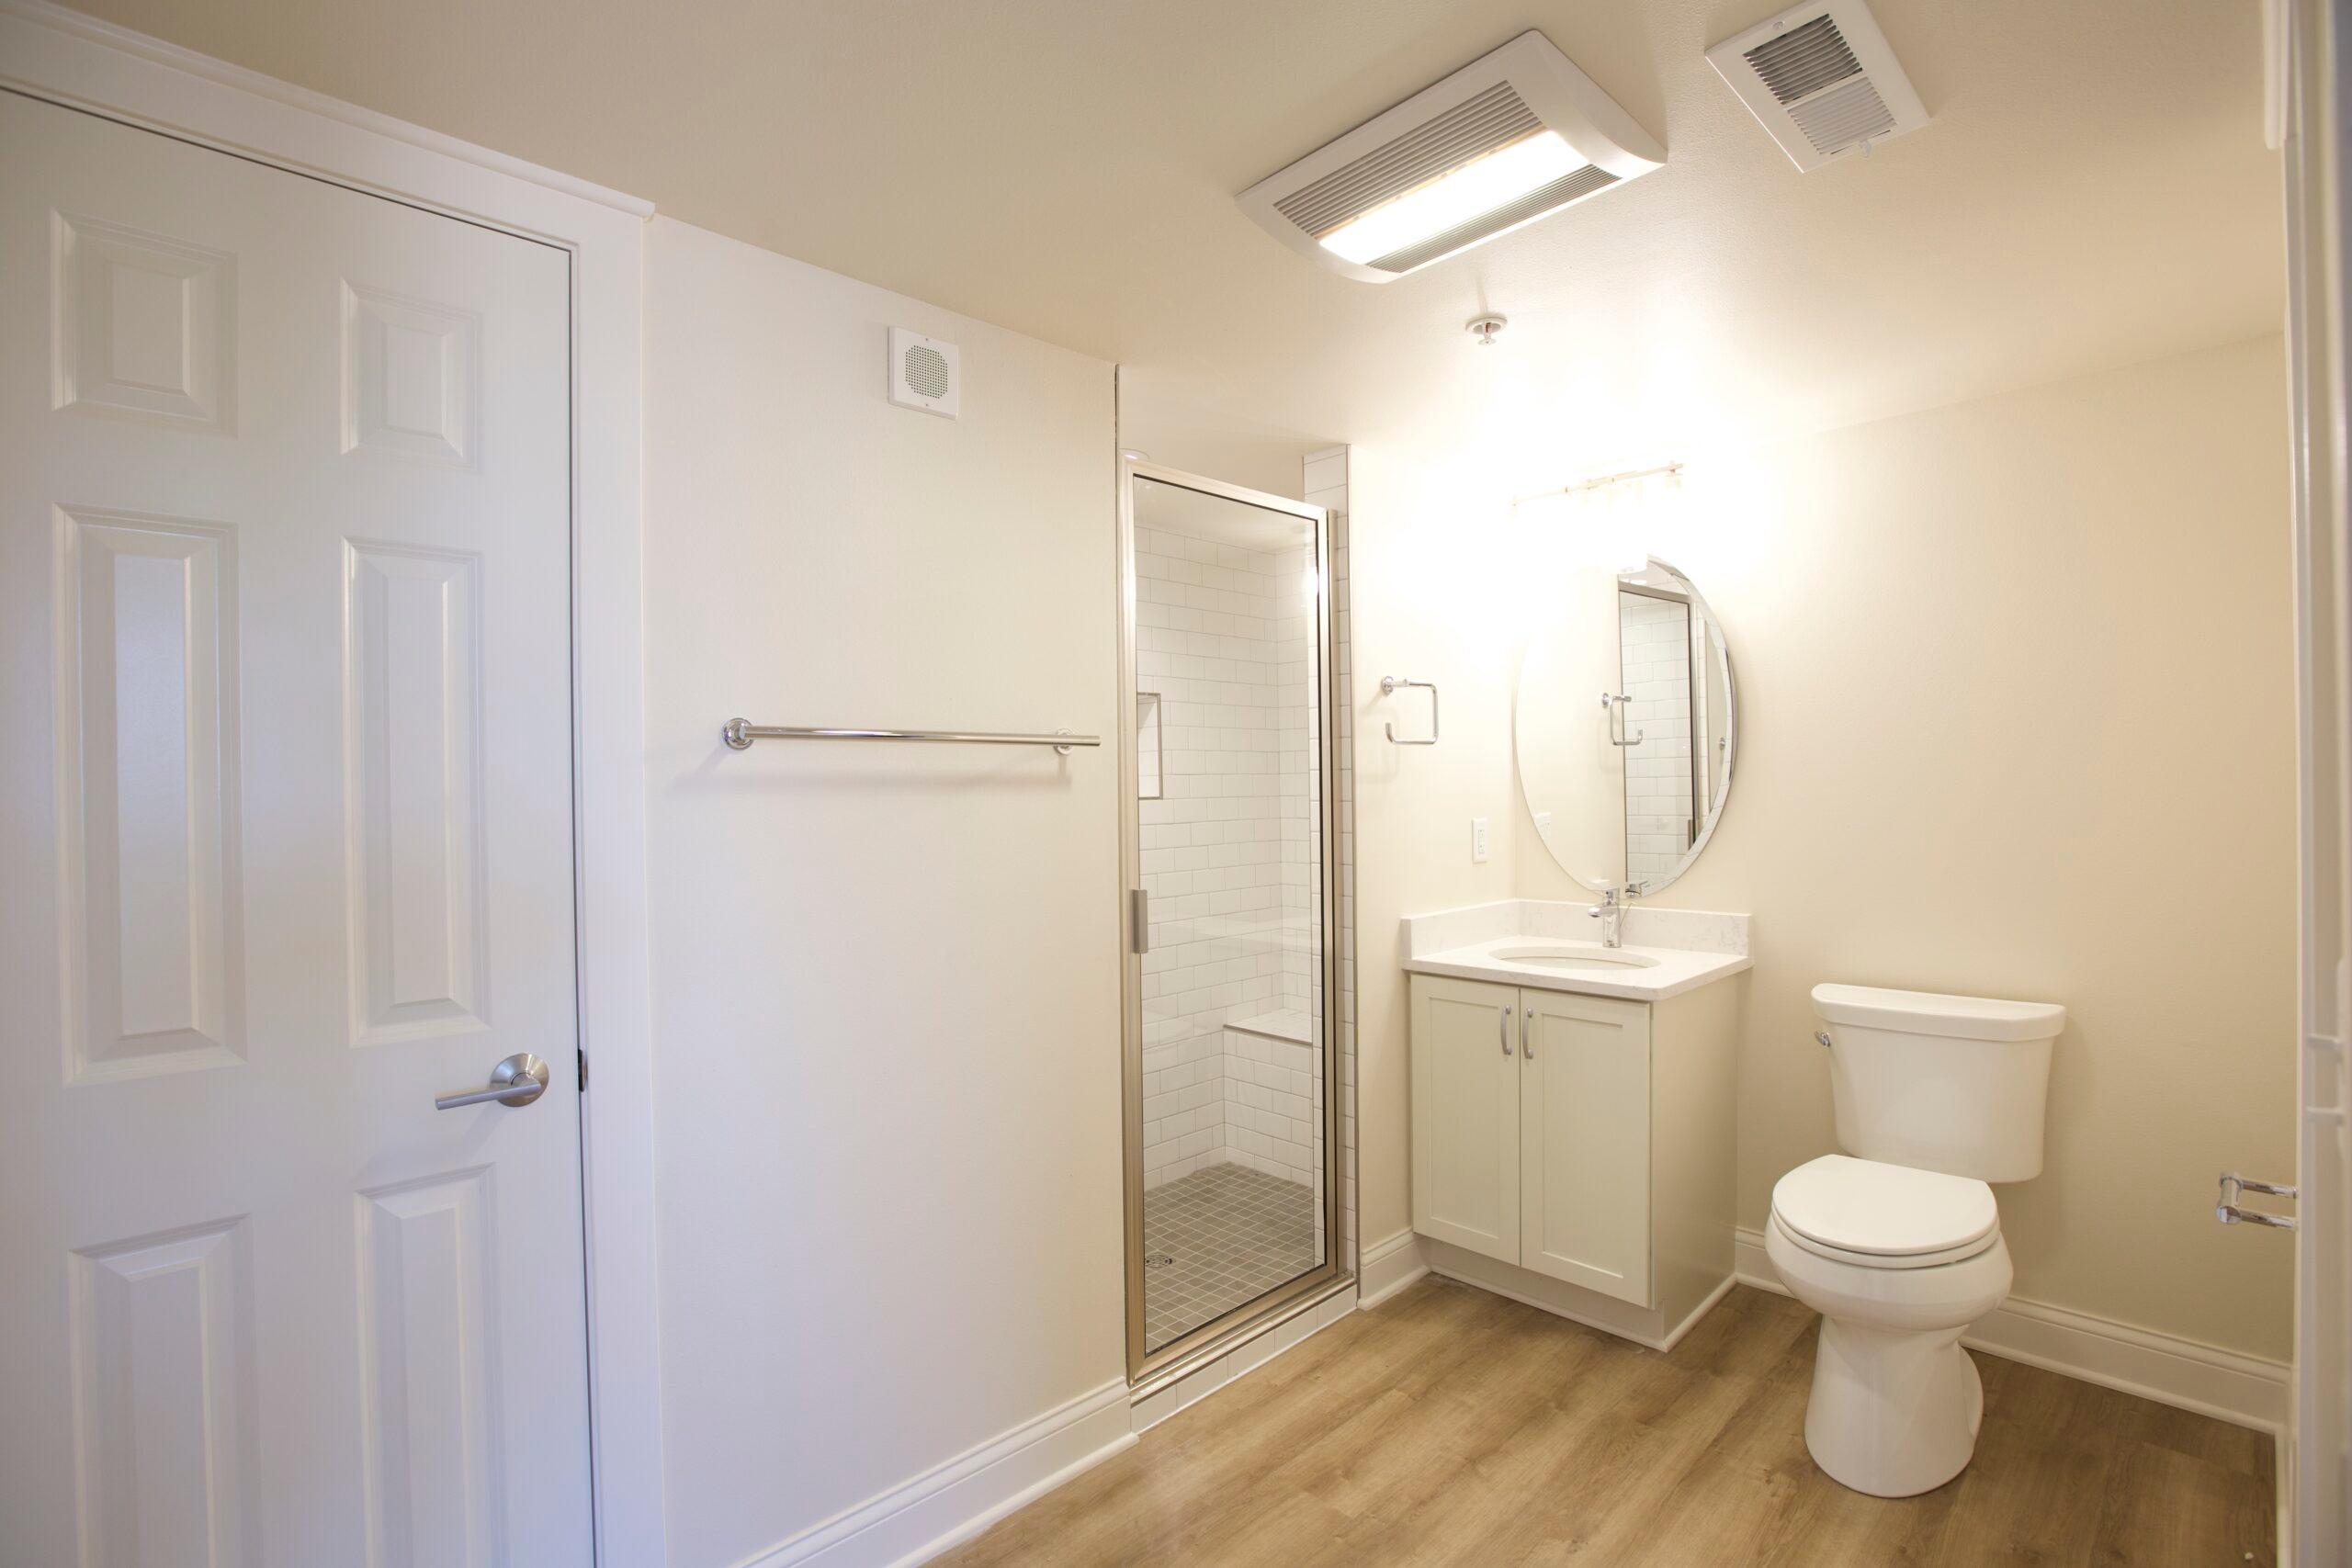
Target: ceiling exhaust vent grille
(1821, 80)
(1803, 60)
(1501, 143)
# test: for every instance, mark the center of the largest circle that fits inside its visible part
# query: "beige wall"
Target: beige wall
(1428, 564)
(886, 978)
(2017, 690)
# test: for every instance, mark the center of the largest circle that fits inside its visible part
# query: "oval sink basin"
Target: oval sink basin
(1573, 955)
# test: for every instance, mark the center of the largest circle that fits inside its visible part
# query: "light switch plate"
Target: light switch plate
(1478, 839)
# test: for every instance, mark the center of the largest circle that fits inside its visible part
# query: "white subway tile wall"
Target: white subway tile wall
(1655, 642)
(1222, 639)
(1273, 1100)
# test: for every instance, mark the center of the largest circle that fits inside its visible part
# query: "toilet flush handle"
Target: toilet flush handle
(1823, 1038)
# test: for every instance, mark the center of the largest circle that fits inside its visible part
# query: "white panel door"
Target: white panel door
(1466, 1114)
(1584, 1141)
(285, 760)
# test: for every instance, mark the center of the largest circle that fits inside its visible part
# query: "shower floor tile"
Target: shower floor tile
(1230, 1234)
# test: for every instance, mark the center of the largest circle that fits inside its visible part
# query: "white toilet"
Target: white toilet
(1900, 1248)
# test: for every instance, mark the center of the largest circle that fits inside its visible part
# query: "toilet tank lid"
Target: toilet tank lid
(1928, 1012)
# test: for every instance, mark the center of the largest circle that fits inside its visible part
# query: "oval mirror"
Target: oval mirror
(1627, 725)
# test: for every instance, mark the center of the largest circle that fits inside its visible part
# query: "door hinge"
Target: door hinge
(579, 1055)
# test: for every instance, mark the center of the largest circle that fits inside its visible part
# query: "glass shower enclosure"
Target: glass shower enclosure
(1226, 824)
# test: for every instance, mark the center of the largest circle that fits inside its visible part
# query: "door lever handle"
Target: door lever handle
(518, 1080)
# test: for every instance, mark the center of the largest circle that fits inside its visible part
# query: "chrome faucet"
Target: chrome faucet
(1611, 913)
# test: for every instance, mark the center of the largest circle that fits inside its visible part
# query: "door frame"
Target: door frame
(75, 61)
(2310, 70)
(1213, 1337)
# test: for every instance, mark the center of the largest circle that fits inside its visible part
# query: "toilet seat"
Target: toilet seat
(1875, 1216)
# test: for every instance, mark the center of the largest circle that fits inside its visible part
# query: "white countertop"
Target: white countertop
(1677, 970)
(1690, 948)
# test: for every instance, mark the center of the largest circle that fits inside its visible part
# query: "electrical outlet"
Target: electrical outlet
(1478, 839)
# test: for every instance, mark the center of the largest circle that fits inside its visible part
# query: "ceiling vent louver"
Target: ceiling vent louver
(1821, 80)
(1507, 140)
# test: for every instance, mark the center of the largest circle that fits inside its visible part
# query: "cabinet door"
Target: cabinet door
(1466, 1114)
(1585, 1142)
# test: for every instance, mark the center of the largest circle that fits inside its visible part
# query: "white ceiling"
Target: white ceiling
(2092, 191)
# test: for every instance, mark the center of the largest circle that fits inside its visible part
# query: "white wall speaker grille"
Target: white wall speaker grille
(926, 373)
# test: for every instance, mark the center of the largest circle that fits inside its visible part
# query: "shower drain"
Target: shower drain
(1158, 1259)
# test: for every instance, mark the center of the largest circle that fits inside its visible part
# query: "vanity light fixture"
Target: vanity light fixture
(1512, 137)
(1602, 481)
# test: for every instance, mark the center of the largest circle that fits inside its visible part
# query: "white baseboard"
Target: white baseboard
(916, 1521)
(1389, 1266)
(956, 1500)
(2226, 1384)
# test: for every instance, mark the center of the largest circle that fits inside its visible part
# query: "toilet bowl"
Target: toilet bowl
(1899, 1246)
(1899, 1262)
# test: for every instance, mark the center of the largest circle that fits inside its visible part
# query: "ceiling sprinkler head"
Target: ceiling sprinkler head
(1485, 328)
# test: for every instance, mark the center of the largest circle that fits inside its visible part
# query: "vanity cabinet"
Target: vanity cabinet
(1531, 1130)
(1578, 1141)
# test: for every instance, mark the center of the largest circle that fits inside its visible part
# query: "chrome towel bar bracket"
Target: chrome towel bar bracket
(2230, 1213)
(1390, 685)
(739, 733)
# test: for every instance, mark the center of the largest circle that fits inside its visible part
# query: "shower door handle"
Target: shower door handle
(1139, 920)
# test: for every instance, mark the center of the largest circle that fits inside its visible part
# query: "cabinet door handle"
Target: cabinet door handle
(1525, 1049)
(1502, 1031)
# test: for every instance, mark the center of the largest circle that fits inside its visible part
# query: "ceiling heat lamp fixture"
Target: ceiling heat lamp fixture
(1510, 138)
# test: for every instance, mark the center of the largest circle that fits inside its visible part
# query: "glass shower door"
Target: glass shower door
(1231, 1122)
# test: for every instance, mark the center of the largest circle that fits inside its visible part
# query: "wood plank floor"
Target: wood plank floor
(1450, 1425)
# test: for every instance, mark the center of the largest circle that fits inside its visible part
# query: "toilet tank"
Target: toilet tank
(1955, 1084)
